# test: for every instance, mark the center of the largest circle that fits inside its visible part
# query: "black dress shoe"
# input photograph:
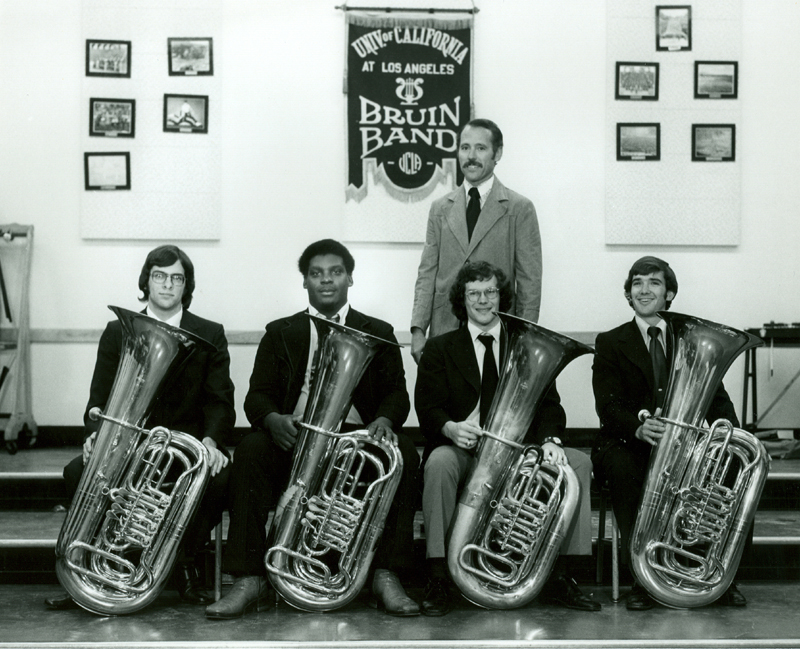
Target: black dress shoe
(187, 583)
(437, 600)
(733, 597)
(638, 599)
(61, 602)
(564, 591)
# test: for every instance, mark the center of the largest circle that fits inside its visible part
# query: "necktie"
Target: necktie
(659, 364)
(489, 377)
(473, 210)
(333, 318)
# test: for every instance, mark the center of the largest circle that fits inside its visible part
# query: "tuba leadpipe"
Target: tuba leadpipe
(329, 520)
(514, 511)
(119, 541)
(703, 484)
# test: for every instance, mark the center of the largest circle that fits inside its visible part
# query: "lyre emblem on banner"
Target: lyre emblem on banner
(408, 90)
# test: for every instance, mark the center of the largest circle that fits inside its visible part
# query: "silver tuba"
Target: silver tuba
(703, 485)
(119, 542)
(514, 510)
(330, 517)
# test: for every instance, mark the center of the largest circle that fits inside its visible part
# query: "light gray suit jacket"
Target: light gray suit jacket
(506, 235)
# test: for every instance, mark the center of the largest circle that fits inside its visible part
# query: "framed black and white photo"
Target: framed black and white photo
(636, 81)
(112, 117)
(107, 170)
(186, 113)
(713, 142)
(108, 58)
(716, 79)
(673, 28)
(190, 56)
(638, 141)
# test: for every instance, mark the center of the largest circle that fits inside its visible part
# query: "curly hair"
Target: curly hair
(326, 247)
(164, 256)
(647, 265)
(478, 271)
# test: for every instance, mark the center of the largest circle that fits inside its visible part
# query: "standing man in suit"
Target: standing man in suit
(481, 220)
(275, 403)
(197, 399)
(625, 383)
(458, 375)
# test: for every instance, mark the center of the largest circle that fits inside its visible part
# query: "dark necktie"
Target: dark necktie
(489, 377)
(473, 210)
(659, 364)
(333, 318)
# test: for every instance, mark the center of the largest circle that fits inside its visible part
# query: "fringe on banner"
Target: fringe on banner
(443, 175)
(369, 20)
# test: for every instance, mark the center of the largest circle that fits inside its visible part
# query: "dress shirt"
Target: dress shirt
(644, 326)
(480, 352)
(174, 321)
(483, 189)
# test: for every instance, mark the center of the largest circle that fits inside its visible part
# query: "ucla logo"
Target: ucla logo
(410, 163)
(409, 91)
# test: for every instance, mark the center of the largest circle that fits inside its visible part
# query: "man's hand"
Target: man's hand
(216, 458)
(554, 454)
(464, 434)
(651, 430)
(283, 428)
(382, 428)
(88, 444)
(418, 341)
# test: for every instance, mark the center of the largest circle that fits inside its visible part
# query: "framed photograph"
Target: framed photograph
(716, 79)
(713, 142)
(636, 81)
(673, 28)
(186, 113)
(190, 57)
(107, 170)
(638, 141)
(108, 58)
(112, 117)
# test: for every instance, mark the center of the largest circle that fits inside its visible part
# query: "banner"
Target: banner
(408, 89)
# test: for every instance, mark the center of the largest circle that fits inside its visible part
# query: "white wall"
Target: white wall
(539, 72)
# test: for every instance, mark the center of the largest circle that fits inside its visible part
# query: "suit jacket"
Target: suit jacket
(280, 366)
(449, 387)
(506, 235)
(623, 383)
(196, 399)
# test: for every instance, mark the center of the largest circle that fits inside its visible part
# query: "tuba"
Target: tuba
(119, 541)
(514, 510)
(329, 519)
(703, 485)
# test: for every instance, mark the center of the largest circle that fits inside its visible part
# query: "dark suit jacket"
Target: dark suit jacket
(280, 366)
(623, 383)
(197, 399)
(449, 387)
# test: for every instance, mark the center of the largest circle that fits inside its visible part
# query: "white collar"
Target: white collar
(342, 313)
(174, 320)
(494, 332)
(483, 189)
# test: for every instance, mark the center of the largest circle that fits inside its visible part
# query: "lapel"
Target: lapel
(296, 337)
(462, 351)
(633, 347)
(495, 208)
(356, 320)
(457, 216)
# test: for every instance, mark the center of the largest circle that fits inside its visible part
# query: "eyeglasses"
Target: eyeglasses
(160, 277)
(490, 293)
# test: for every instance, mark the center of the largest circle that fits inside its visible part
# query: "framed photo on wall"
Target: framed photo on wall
(190, 56)
(716, 79)
(112, 117)
(673, 28)
(636, 81)
(186, 113)
(713, 142)
(638, 141)
(108, 58)
(107, 170)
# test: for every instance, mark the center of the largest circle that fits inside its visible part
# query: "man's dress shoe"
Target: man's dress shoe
(564, 590)
(246, 594)
(391, 596)
(187, 583)
(437, 600)
(733, 597)
(638, 599)
(60, 602)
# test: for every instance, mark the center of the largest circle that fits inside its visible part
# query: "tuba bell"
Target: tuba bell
(703, 485)
(330, 517)
(119, 541)
(515, 509)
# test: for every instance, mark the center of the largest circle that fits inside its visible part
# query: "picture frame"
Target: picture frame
(713, 142)
(636, 81)
(673, 28)
(190, 57)
(638, 141)
(185, 113)
(106, 58)
(716, 79)
(112, 117)
(107, 170)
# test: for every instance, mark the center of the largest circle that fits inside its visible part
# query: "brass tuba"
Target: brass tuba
(515, 509)
(330, 517)
(703, 485)
(119, 541)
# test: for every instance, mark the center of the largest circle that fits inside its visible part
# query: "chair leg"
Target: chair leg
(601, 538)
(614, 559)
(218, 562)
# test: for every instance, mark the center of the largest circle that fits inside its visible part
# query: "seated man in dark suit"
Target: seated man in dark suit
(626, 383)
(451, 402)
(275, 403)
(197, 399)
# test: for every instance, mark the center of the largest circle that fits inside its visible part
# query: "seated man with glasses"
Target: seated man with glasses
(197, 399)
(457, 379)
